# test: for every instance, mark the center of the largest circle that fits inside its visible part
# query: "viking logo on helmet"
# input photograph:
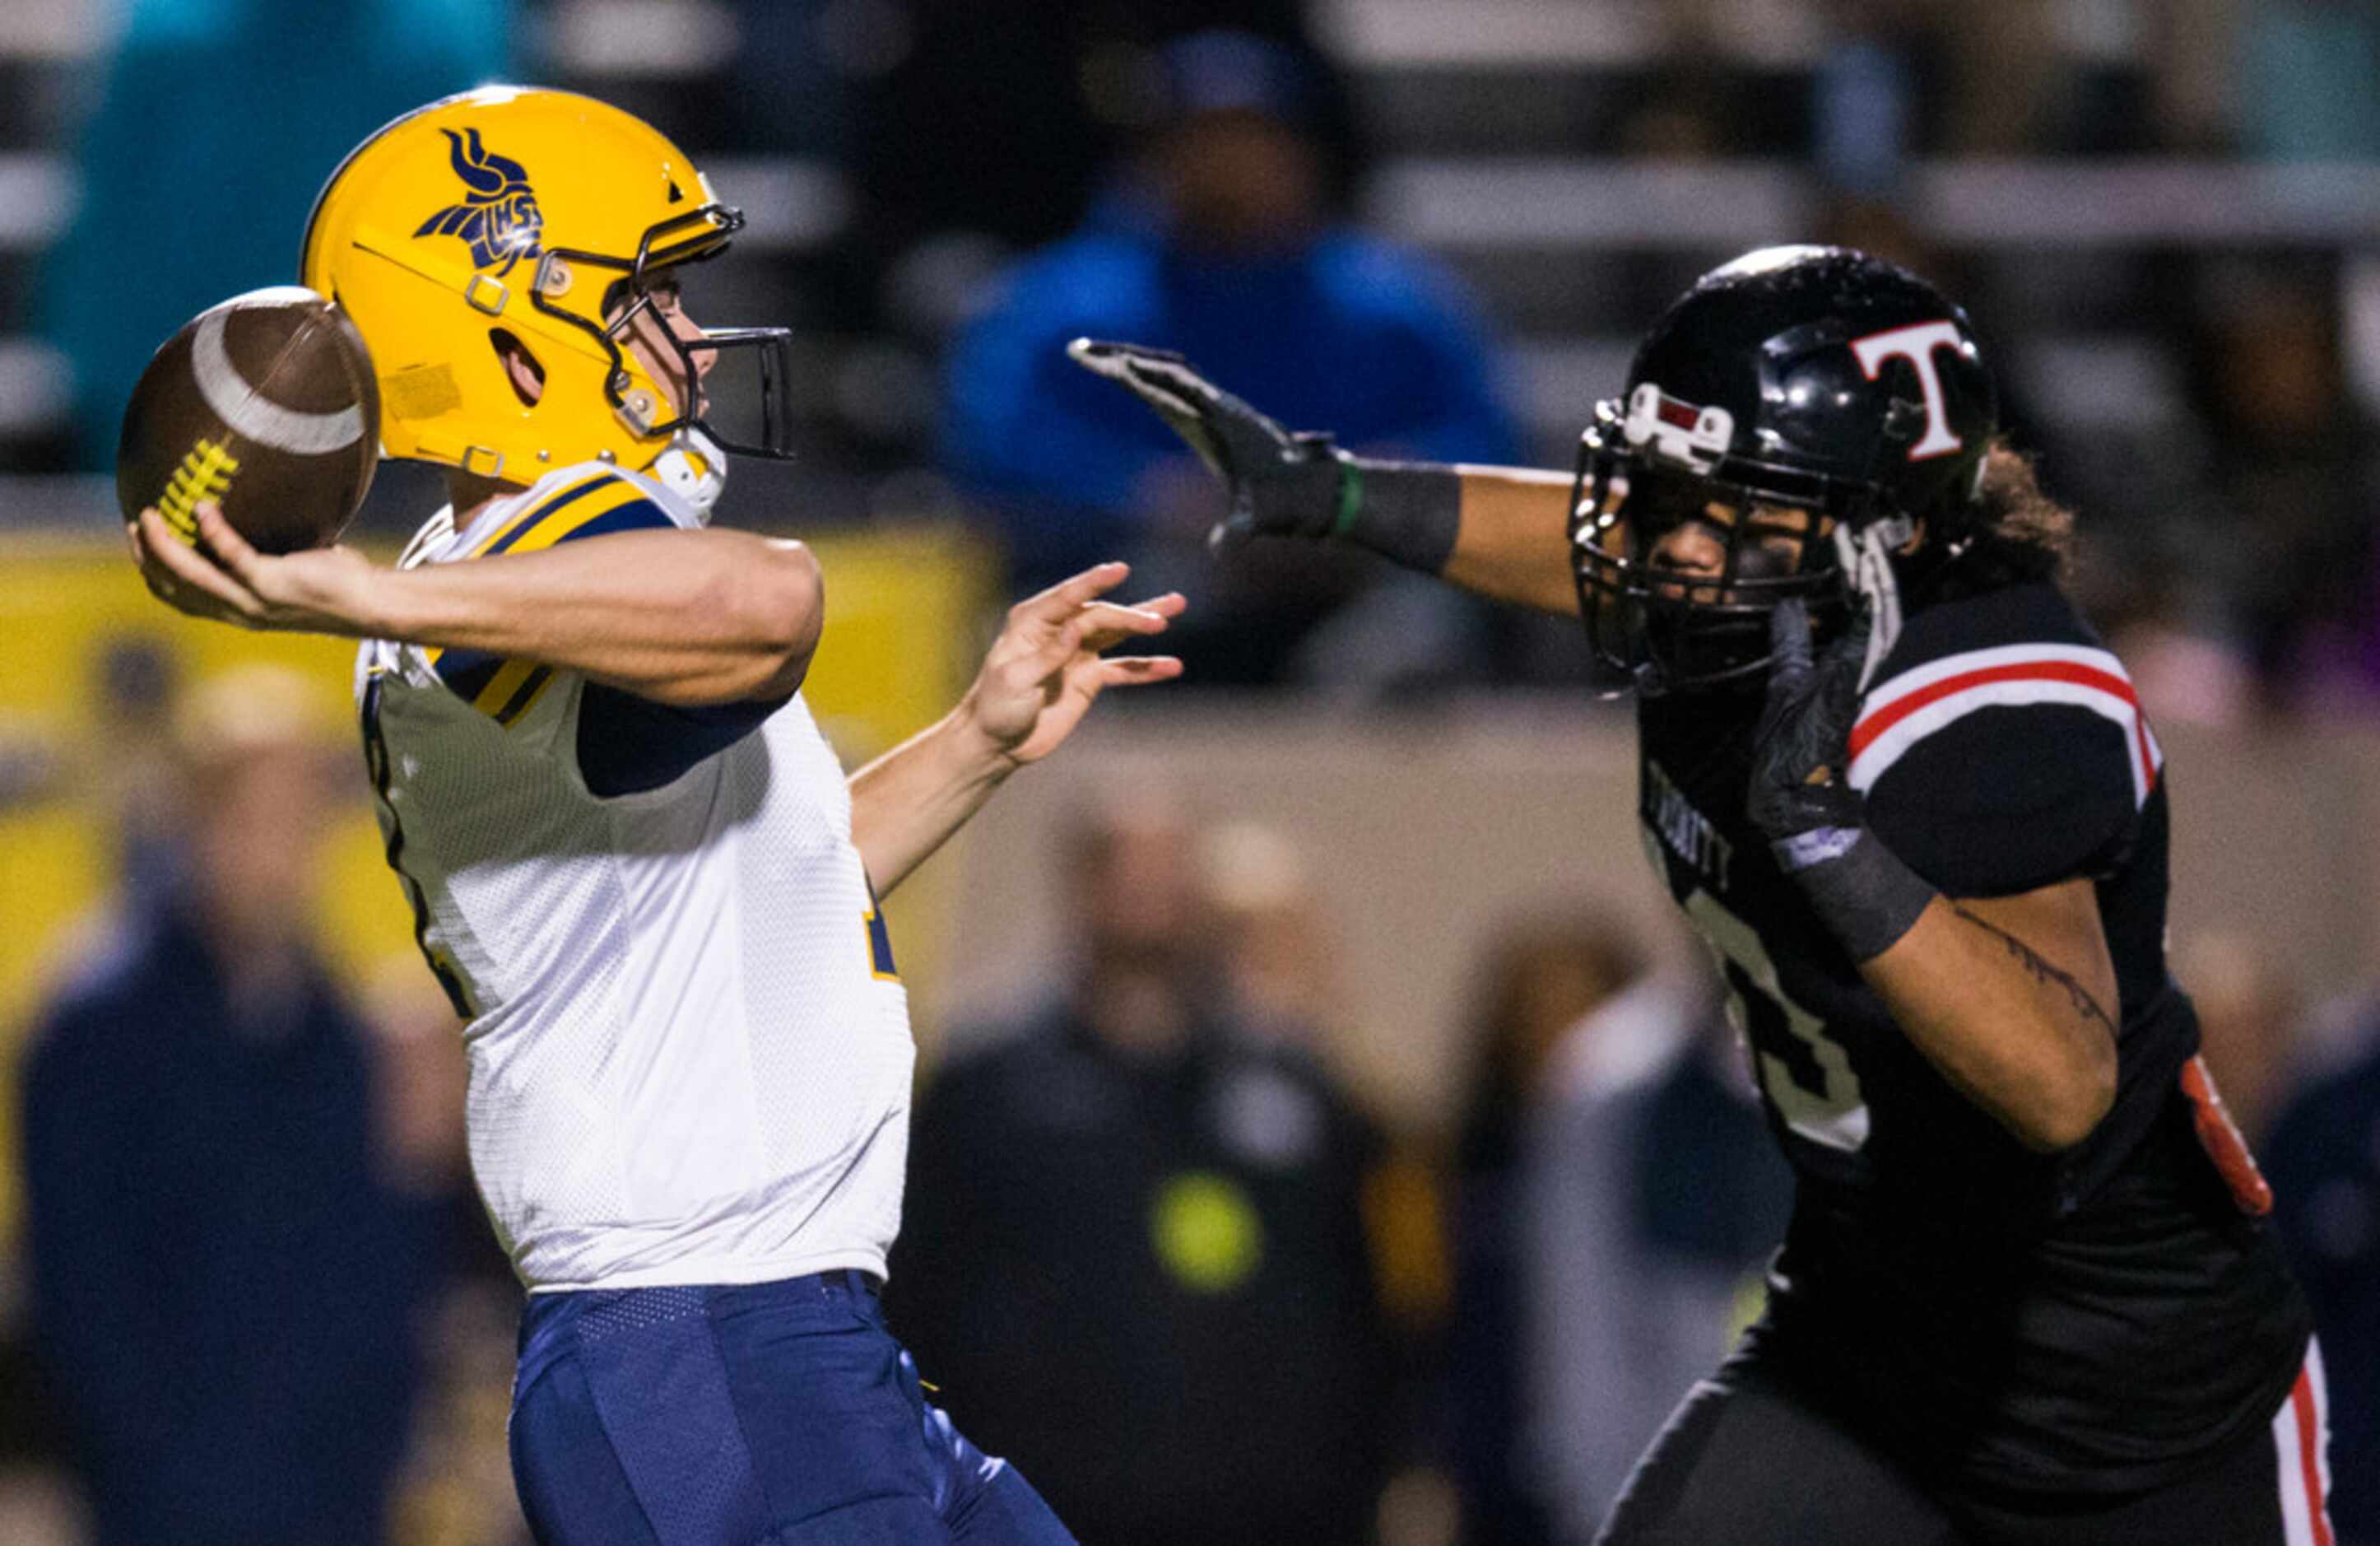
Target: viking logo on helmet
(499, 218)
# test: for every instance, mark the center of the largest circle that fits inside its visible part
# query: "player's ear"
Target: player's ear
(521, 366)
(1917, 538)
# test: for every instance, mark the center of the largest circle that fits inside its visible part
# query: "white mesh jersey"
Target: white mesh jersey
(689, 1055)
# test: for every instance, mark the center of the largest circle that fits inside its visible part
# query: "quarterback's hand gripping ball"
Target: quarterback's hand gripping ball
(1280, 484)
(265, 404)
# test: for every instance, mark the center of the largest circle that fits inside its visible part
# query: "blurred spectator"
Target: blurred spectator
(2277, 521)
(38, 1509)
(205, 152)
(2323, 1159)
(1136, 1257)
(226, 1279)
(790, 84)
(418, 1090)
(2184, 665)
(1655, 1199)
(1276, 962)
(2194, 50)
(1864, 88)
(1226, 250)
(455, 1488)
(30, 767)
(131, 764)
(1045, 93)
(1619, 1199)
(2248, 1017)
(1278, 972)
(1049, 94)
(2016, 77)
(2305, 69)
(1538, 981)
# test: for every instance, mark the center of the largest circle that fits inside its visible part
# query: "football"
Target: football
(265, 403)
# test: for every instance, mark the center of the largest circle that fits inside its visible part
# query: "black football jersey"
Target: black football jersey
(2089, 1320)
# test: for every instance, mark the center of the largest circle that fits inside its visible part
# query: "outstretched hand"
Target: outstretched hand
(1280, 484)
(224, 578)
(1048, 664)
(1801, 752)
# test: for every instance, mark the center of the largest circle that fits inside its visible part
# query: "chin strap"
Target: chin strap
(694, 469)
(1866, 559)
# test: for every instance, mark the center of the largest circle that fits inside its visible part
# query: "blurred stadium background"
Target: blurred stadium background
(2165, 215)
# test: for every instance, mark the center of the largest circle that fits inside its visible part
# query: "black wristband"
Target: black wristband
(1407, 511)
(1858, 887)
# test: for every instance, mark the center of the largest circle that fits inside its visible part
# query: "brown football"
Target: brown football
(265, 403)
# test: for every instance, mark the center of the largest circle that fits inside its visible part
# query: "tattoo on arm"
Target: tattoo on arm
(2042, 972)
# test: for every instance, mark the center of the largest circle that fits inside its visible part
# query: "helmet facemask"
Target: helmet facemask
(1665, 627)
(763, 427)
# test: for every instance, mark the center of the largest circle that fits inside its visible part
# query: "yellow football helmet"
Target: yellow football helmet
(506, 218)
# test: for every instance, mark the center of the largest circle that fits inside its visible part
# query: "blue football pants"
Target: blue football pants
(767, 1415)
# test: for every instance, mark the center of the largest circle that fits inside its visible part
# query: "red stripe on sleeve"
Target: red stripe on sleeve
(1883, 719)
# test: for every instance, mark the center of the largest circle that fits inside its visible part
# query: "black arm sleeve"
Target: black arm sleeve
(627, 744)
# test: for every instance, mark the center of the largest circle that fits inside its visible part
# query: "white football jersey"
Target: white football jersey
(689, 1054)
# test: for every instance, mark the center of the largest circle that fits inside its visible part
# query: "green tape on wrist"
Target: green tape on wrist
(1408, 511)
(1350, 498)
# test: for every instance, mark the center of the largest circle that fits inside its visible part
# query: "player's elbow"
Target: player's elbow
(786, 603)
(2074, 1100)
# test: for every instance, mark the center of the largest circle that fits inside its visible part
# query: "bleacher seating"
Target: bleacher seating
(1495, 129)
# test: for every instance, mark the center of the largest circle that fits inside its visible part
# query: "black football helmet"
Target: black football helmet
(1802, 402)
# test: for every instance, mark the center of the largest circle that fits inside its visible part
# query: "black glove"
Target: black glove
(1802, 798)
(1283, 484)
(1801, 752)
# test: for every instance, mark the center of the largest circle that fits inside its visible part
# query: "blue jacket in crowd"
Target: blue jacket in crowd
(1347, 333)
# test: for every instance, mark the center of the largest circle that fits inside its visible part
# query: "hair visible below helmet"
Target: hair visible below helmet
(502, 221)
(1839, 396)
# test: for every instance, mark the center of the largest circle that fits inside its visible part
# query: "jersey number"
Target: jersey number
(1816, 1091)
